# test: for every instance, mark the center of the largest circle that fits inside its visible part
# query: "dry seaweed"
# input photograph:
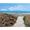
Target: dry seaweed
(27, 21)
(7, 20)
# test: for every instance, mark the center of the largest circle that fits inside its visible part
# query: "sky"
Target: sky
(15, 7)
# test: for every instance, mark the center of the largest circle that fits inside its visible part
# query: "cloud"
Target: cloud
(20, 8)
(17, 8)
(14, 8)
(3, 10)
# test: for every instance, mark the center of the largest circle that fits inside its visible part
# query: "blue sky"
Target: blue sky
(15, 7)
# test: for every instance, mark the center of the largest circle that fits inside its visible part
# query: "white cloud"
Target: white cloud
(3, 10)
(18, 7)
